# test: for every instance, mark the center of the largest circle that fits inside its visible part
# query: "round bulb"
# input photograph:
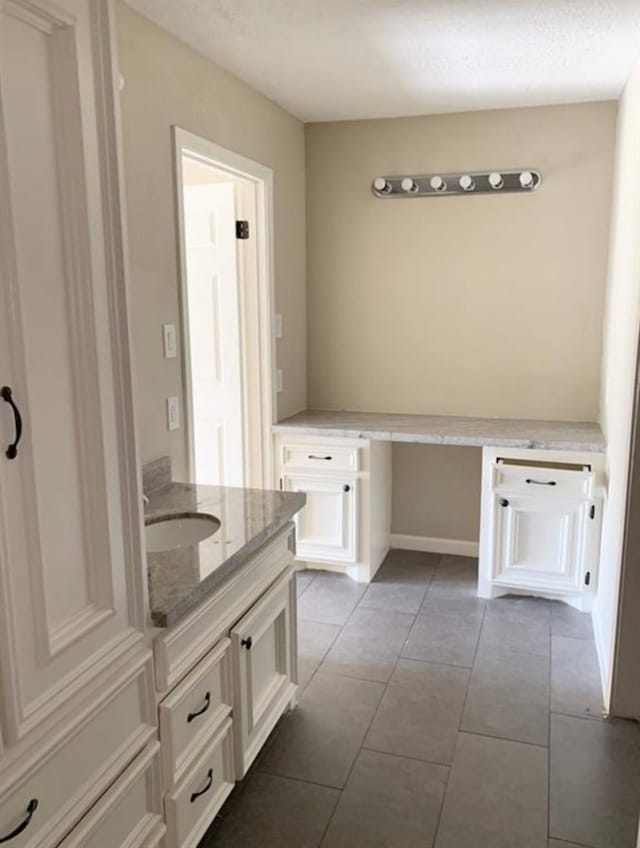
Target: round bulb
(437, 184)
(495, 180)
(380, 184)
(526, 179)
(466, 183)
(408, 184)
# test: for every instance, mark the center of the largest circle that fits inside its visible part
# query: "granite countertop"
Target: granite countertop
(447, 430)
(180, 579)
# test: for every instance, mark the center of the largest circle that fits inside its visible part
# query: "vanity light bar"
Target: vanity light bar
(472, 182)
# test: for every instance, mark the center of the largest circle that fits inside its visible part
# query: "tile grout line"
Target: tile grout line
(364, 736)
(375, 713)
(466, 696)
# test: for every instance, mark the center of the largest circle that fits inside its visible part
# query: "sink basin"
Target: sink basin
(179, 531)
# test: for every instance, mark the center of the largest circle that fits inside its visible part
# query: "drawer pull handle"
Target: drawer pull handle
(540, 482)
(207, 704)
(323, 458)
(209, 784)
(24, 824)
(12, 451)
(247, 643)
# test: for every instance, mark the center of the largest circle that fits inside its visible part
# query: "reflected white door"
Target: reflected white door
(214, 334)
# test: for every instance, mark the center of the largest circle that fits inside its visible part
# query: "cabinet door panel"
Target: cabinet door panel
(540, 541)
(65, 540)
(263, 662)
(326, 529)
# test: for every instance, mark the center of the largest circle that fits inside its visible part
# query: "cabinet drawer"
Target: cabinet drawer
(554, 479)
(129, 814)
(193, 710)
(192, 806)
(75, 772)
(326, 456)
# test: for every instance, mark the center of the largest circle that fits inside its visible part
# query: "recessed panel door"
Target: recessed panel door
(68, 548)
(326, 528)
(263, 652)
(214, 334)
(540, 541)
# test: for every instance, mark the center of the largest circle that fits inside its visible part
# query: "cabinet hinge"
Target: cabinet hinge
(592, 511)
(587, 578)
(280, 484)
(242, 229)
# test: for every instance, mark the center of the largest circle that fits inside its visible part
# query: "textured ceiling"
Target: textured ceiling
(339, 59)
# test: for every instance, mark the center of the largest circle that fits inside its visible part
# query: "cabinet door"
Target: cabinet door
(327, 527)
(540, 542)
(264, 662)
(70, 552)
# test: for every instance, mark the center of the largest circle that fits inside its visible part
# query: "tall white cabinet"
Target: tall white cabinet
(76, 690)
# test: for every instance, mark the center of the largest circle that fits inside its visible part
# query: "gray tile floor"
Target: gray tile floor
(430, 719)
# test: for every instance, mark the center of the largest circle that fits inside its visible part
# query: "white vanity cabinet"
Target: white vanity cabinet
(225, 674)
(346, 523)
(540, 532)
(76, 692)
(264, 661)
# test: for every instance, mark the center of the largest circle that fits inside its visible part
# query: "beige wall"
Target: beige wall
(167, 83)
(622, 320)
(436, 491)
(465, 305)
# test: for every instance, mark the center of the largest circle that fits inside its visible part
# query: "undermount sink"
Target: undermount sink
(179, 531)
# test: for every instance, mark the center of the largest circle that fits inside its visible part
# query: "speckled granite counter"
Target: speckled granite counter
(180, 579)
(447, 430)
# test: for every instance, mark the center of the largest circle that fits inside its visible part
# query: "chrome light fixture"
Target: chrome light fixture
(466, 183)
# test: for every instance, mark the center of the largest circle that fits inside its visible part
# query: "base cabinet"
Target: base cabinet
(241, 679)
(540, 525)
(264, 661)
(346, 523)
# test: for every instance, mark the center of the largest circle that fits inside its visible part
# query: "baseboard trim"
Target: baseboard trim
(597, 632)
(431, 544)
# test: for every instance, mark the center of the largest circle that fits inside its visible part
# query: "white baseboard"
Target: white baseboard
(431, 544)
(597, 632)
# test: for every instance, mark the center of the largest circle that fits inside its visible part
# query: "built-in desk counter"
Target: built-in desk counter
(447, 430)
(543, 486)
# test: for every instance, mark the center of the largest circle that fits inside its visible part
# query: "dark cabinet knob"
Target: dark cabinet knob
(346, 488)
(504, 502)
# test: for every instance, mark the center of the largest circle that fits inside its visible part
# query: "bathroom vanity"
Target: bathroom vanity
(224, 644)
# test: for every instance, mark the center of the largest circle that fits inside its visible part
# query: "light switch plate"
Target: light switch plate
(277, 326)
(169, 339)
(173, 413)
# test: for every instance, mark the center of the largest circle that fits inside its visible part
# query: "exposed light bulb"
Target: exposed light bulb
(466, 183)
(495, 180)
(526, 179)
(438, 184)
(381, 185)
(409, 185)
